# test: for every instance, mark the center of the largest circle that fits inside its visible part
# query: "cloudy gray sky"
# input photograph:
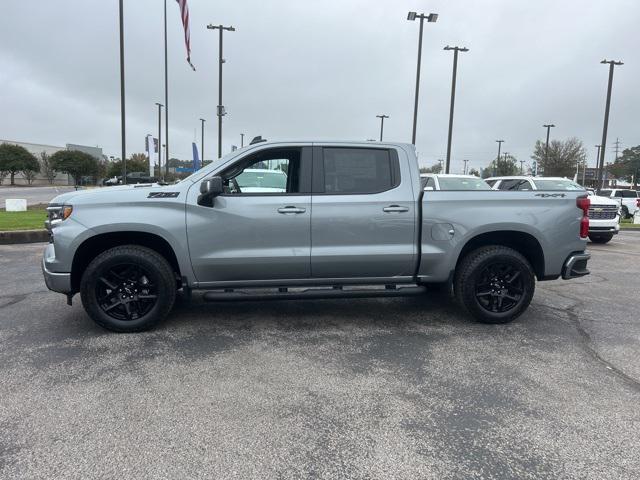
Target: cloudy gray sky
(323, 69)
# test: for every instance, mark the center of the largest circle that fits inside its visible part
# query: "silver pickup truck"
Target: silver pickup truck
(309, 220)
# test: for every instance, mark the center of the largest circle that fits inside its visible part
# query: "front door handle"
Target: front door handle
(291, 209)
(395, 208)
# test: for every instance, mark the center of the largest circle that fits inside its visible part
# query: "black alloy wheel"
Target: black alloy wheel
(499, 287)
(494, 283)
(128, 288)
(126, 292)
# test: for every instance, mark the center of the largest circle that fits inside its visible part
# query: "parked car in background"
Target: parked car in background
(447, 181)
(140, 177)
(604, 213)
(629, 200)
(351, 214)
(109, 182)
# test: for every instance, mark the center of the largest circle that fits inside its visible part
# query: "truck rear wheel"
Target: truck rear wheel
(495, 284)
(128, 289)
(601, 238)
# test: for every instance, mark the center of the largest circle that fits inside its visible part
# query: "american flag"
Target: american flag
(184, 13)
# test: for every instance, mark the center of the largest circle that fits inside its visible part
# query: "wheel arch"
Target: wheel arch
(522, 242)
(93, 246)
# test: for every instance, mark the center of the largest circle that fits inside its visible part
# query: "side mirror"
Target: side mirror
(211, 186)
(209, 189)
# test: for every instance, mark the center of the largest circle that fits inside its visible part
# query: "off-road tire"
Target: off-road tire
(162, 277)
(468, 281)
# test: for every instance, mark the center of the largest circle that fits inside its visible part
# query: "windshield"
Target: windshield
(558, 184)
(462, 183)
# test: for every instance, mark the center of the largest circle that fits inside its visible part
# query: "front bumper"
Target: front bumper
(576, 266)
(57, 282)
(604, 226)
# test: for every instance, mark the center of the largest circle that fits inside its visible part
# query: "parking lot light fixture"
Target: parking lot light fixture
(431, 18)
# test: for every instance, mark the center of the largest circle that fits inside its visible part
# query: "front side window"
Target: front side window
(357, 170)
(509, 184)
(270, 172)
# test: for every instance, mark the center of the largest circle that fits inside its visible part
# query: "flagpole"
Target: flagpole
(166, 96)
(122, 105)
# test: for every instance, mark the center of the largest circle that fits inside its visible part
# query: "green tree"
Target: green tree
(75, 163)
(562, 159)
(14, 159)
(504, 166)
(627, 166)
(46, 167)
(475, 172)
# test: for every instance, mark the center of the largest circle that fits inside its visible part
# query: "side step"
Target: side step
(312, 293)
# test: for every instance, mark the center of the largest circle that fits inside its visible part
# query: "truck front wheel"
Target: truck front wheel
(495, 284)
(128, 288)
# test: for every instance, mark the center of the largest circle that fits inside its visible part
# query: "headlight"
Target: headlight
(57, 214)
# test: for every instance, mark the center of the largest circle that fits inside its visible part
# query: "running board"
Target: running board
(312, 293)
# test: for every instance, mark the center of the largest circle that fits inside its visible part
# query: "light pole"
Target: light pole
(464, 171)
(221, 112)
(521, 167)
(546, 148)
(241, 140)
(202, 120)
(453, 99)
(382, 117)
(441, 162)
(432, 17)
(123, 129)
(603, 144)
(159, 138)
(495, 169)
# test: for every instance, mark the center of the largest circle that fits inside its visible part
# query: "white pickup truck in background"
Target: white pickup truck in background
(628, 199)
(604, 212)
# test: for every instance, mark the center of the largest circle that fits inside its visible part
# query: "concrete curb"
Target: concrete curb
(23, 236)
(629, 229)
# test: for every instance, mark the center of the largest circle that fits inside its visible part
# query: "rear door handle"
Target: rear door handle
(395, 208)
(291, 209)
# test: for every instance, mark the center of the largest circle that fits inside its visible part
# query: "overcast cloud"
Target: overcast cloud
(323, 69)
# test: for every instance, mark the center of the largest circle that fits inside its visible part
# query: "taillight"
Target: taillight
(583, 204)
(638, 203)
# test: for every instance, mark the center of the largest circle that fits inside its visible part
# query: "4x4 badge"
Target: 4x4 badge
(547, 195)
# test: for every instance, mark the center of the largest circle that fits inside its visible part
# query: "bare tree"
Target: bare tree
(562, 158)
(46, 167)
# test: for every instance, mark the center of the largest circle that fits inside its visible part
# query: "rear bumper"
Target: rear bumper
(576, 266)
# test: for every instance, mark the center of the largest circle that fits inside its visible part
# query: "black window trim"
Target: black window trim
(305, 173)
(318, 186)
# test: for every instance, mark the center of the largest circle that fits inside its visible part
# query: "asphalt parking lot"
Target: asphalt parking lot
(371, 388)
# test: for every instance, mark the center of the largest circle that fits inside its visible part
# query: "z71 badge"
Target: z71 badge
(553, 195)
(163, 194)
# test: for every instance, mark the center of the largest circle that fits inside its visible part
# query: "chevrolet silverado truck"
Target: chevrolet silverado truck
(350, 220)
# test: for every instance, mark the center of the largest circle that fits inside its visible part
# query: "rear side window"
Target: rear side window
(514, 184)
(629, 194)
(358, 170)
(491, 183)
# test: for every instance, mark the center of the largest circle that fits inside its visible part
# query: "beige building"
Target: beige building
(37, 148)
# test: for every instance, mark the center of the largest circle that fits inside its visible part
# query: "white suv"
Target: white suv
(628, 199)
(604, 212)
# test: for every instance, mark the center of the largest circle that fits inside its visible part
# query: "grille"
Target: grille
(603, 212)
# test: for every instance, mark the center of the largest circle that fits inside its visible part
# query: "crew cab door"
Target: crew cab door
(363, 222)
(259, 228)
